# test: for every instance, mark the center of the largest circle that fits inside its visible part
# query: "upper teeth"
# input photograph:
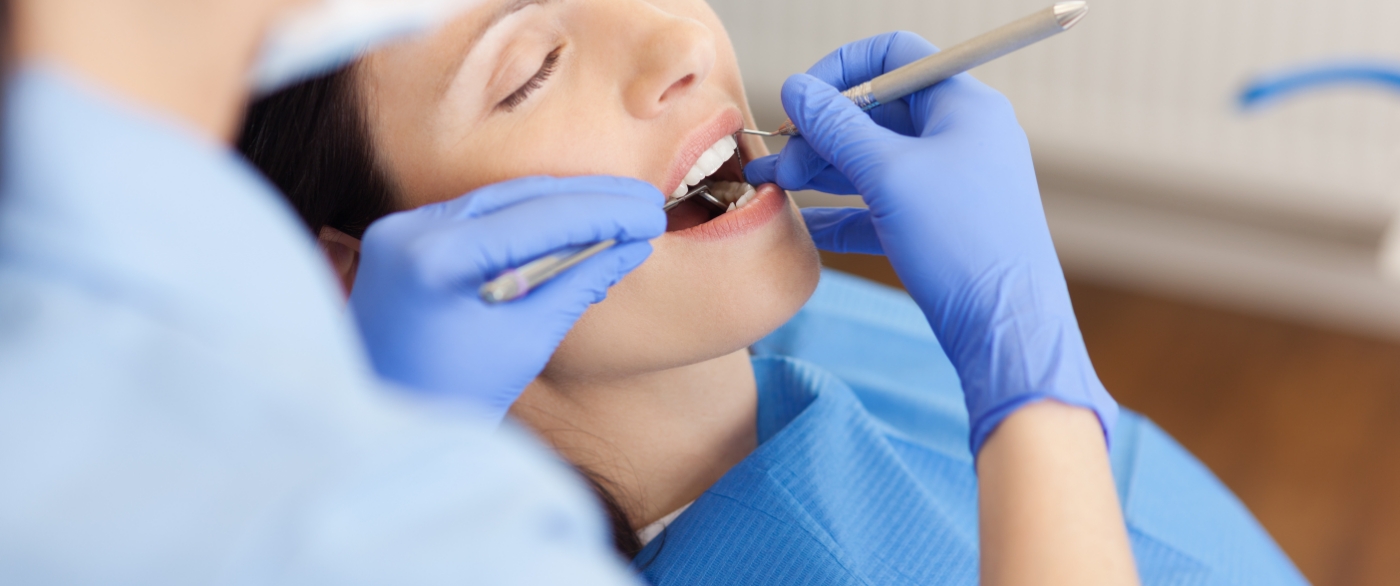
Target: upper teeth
(709, 162)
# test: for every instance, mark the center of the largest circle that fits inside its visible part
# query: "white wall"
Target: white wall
(1153, 178)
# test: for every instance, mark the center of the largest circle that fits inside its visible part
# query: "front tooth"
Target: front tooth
(694, 177)
(680, 191)
(726, 147)
(722, 154)
(747, 197)
(709, 163)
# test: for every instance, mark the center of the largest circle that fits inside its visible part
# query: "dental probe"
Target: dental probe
(518, 282)
(940, 66)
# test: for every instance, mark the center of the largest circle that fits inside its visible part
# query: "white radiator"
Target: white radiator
(1135, 111)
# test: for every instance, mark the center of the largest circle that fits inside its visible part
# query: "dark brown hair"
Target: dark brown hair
(312, 140)
(625, 539)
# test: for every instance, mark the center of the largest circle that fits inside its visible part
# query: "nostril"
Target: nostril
(679, 87)
(678, 58)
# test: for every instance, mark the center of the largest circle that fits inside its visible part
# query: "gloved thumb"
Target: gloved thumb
(588, 283)
(833, 126)
(845, 230)
(799, 168)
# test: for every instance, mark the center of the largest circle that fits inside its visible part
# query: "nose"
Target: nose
(673, 56)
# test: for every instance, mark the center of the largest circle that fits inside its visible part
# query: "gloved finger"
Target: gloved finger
(843, 230)
(764, 170)
(961, 103)
(866, 59)
(896, 117)
(827, 180)
(480, 248)
(800, 167)
(837, 130)
(861, 61)
(832, 181)
(798, 164)
(497, 196)
(588, 283)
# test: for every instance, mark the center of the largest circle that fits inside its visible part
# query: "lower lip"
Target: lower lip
(768, 202)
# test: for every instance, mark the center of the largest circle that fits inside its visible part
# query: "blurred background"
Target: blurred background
(1223, 262)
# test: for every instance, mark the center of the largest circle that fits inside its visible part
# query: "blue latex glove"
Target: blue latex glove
(953, 202)
(415, 294)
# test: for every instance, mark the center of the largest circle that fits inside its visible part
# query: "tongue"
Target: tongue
(688, 214)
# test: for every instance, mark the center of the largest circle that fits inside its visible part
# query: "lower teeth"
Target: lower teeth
(727, 195)
(736, 194)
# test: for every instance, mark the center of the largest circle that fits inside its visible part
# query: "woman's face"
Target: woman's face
(637, 88)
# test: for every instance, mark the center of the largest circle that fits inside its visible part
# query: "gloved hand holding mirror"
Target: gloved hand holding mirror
(415, 296)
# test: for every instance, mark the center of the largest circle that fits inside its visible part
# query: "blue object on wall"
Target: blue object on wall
(1280, 85)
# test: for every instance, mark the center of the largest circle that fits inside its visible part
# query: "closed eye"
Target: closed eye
(518, 97)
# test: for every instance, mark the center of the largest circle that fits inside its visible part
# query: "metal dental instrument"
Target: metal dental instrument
(518, 282)
(945, 64)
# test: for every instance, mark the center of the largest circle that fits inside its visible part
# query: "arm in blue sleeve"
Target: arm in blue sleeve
(183, 400)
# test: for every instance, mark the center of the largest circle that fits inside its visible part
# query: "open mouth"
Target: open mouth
(721, 169)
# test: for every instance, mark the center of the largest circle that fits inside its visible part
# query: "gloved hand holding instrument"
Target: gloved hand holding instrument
(953, 202)
(416, 291)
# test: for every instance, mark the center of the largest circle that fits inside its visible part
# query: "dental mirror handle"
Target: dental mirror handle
(518, 282)
(940, 66)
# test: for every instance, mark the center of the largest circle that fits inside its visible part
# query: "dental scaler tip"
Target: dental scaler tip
(1069, 14)
(940, 66)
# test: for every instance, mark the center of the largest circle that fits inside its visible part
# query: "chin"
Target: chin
(708, 290)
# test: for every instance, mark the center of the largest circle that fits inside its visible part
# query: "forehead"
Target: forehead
(479, 21)
(429, 63)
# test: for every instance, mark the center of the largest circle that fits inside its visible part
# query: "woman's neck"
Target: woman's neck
(657, 440)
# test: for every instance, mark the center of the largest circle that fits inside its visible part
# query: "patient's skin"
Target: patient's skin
(653, 389)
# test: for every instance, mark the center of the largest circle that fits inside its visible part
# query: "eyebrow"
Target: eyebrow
(477, 33)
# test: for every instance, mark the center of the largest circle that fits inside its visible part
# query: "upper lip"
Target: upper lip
(700, 140)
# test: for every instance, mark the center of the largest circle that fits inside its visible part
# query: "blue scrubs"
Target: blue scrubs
(183, 399)
(863, 474)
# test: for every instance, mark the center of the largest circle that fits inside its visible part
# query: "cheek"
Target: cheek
(456, 162)
(565, 149)
(693, 302)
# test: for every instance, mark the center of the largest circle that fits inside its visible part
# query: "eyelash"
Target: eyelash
(547, 68)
